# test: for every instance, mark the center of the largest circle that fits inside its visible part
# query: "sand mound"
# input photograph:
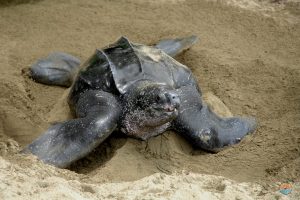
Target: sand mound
(247, 56)
(42, 182)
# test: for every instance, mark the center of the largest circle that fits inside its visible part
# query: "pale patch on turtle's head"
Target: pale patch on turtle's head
(149, 105)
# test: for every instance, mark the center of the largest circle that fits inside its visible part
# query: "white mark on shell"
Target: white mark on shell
(154, 55)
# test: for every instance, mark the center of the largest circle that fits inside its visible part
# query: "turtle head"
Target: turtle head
(149, 106)
(159, 101)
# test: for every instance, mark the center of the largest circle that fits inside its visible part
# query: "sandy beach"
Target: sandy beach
(248, 56)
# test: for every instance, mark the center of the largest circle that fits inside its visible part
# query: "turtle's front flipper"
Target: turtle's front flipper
(66, 142)
(173, 47)
(205, 129)
(57, 69)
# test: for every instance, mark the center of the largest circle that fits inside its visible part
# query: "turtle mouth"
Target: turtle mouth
(167, 110)
(170, 109)
(173, 112)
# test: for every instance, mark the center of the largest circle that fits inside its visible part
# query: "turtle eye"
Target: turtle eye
(158, 98)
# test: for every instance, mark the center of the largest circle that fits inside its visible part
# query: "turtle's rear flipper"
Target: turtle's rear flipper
(173, 47)
(57, 69)
(203, 128)
(66, 142)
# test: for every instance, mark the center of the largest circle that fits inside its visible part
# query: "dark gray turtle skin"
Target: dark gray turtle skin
(133, 88)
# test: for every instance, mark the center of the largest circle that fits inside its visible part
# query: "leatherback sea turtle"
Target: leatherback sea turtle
(137, 89)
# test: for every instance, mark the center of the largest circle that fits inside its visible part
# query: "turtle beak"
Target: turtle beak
(173, 101)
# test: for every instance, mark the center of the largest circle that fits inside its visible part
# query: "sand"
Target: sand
(248, 58)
